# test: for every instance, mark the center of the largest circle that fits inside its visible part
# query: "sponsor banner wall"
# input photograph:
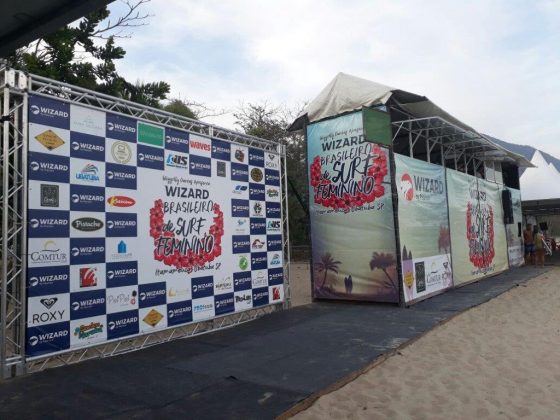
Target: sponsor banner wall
(478, 239)
(134, 227)
(423, 227)
(351, 211)
(514, 232)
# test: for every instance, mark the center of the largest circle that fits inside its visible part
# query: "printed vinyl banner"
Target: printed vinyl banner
(514, 232)
(423, 227)
(353, 236)
(135, 227)
(478, 239)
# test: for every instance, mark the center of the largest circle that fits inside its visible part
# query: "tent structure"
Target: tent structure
(542, 182)
(405, 200)
(419, 124)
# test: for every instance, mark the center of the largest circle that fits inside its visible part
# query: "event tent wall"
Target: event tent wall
(358, 179)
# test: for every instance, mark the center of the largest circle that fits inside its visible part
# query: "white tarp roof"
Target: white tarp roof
(347, 93)
(541, 182)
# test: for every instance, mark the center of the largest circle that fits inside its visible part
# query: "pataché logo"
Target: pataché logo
(87, 224)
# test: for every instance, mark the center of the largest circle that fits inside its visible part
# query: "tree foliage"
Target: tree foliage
(270, 122)
(84, 54)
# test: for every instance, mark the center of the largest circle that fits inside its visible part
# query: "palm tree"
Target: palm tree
(383, 262)
(327, 263)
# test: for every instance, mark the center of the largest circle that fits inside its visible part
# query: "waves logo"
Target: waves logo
(120, 201)
(406, 187)
(90, 172)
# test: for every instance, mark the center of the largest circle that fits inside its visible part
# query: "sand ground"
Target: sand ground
(300, 283)
(500, 360)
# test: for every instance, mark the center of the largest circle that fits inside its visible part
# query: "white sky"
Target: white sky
(494, 64)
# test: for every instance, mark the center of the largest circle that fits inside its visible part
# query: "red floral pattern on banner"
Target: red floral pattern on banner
(190, 259)
(481, 248)
(377, 171)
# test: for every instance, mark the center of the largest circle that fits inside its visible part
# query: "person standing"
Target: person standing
(529, 245)
(539, 247)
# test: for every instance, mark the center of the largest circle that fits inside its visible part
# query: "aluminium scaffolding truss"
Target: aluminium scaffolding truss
(459, 148)
(15, 87)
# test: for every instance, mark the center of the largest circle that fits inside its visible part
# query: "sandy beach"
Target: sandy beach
(500, 360)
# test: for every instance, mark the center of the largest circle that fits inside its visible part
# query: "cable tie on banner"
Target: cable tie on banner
(5, 118)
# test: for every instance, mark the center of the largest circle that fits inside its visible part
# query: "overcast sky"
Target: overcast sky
(494, 64)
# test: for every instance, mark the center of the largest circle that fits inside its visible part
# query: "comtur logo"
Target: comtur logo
(406, 187)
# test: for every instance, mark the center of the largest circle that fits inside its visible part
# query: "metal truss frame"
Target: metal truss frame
(459, 147)
(15, 87)
(139, 342)
(13, 204)
(73, 94)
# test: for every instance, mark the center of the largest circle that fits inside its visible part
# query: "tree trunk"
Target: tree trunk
(391, 280)
(324, 279)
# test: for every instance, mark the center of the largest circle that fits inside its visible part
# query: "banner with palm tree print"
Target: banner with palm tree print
(351, 211)
(478, 234)
(423, 228)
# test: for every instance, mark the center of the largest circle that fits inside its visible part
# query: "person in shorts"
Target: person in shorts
(529, 245)
(539, 247)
